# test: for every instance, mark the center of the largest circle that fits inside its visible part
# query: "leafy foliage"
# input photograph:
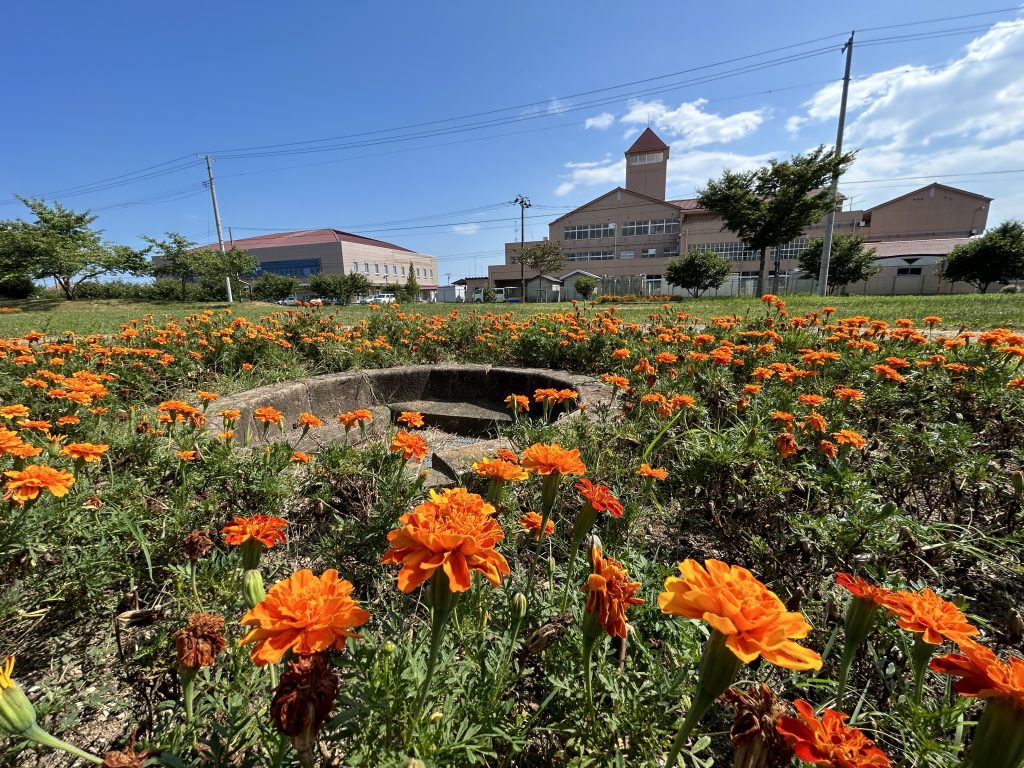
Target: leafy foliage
(586, 286)
(698, 271)
(995, 257)
(542, 258)
(272, 287)
(849, 262)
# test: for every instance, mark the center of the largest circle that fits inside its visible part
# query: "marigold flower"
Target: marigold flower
(409, 445)
(265, 529)
(552, 458)
(829, 741)
(411, 419)
(16, 411)
(751, 389)
(782, 416)
(207, 397)
(309, 421)
(926, 613)
(9, 440)
(665, 358)
(863, 589)
(298, 457)
(981, 674)
(454, 530)
(753, 619)
(932, 320)
(1017, 383)
(815, 422)
(196, 544)
(847, 394)
(621, 382)
(268, 415)
(646, 470)
(786, 445)
(40, 424)
(26, 484)
(620, 354)
(187, 455)
(86, 452)
(849, 437)
(830, 449)
(531, 522)
(887, 372)
(229, 414)
(599, 497)
(304, 699)
(304, 613)
(506, 455)
(500, 469)
(610, 592)
(813, 401)
(199, 642)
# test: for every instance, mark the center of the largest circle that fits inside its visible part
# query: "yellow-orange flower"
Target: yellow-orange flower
(229, 414)
(752, 618)
(266, 529)
(9, 440)
(926, 613)
(610, 592)
(531, 522)
(851, 438)
(268, 415)
(646, 470)
(411, 419)
(86, 452)
(298, 457)
(863, 589)
(26, 484)
(829, 741)
(309, 421)
(499, 469)
(982, 674)
(454, 530)
(786, 445)
(518, 402)
(552, 458)
(599, 497)
(409, 445)
(305, 614)
(16, 411)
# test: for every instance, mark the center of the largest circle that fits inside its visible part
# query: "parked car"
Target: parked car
(291, 301)
(382, 298)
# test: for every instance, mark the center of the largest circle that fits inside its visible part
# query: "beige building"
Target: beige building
(333, 252)
(627, 236)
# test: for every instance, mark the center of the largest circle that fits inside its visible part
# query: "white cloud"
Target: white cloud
(556, 107)
(794, 122)
(601, 122)
(689, 125)
(465, 229)
(629, 133)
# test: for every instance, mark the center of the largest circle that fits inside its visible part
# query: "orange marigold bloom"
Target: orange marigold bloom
(830, 449)
(454, 530)
(531, 522)
(1017, 383)
(784, 416)
(847, 394)
(411, 418)
(665, 358)
(829, 741)
(753, 619)
(887, 372)
(518, 402)
(982, 674)
(506, 455)
(40, 424)
(65, 421)
(811, 400)
(620, 354)
(610, 592)
(187, 455)
(644, 366)
(500, 469)
(616, 381)
(865, 590)
(208, 397)
(268, 415)
(266, 529)
(86, 452)
(409, 445)
(646, 470)
(814, 421)
(926, 613)
(932, 319)
(304, 613)
(16, 411)
(308, 420)
(751, 389)
(552, 458)
(786, 445)
(26, 484)
(849, 437)
(599, 497)
(298, 457)
(230, 414)
(9, 440)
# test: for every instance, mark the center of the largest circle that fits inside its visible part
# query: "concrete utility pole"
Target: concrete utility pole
(523, 203)
(216, 218)
(830, 219)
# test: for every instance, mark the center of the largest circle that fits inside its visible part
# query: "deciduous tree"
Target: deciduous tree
(850, 261)
(698, 271)
(995, 257)
(772, 205)
(542, 258)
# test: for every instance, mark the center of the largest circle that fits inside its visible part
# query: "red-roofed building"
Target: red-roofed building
(628, 235)
(328, 251)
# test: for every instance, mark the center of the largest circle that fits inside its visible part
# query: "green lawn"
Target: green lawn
(84, 317)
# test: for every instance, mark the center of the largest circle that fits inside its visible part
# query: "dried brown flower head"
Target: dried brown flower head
(304, 699)
(200, 641)
(129, 758)
(196, 544)
(757, 743)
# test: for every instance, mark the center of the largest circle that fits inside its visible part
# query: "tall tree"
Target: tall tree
(412, 287)
(543, 257)
(698, 271)
(273, 287)
(995, 257)
(772, 205)
(61, 244)
(176, 257)
(849, 262)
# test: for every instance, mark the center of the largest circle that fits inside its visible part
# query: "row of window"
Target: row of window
(670, 251)
(292, 267)
(740, 252)
(648, 158)
(392, 272)
(590, 256)
(589, 231)
(650, 227)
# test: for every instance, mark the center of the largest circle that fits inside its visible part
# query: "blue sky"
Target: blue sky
(102, 90)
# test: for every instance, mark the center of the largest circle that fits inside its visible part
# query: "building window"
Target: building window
(590, 256)
(292, 267)
(376, 269)
(355, 266)
(366, 267)
(793, 248)
(730, 251)
(403, 271)
(647, 158)
(648, 253)
(385, 270)
(671, 252)
(650, 227)
(627, 254)
(589, 231)
(431, 273)
(907, 271)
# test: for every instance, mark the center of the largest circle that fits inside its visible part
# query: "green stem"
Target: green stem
(588, 672)
(188, 680)
(39, 736)
(195, 590)
(922, 653)
(548, 495)
(442, 601)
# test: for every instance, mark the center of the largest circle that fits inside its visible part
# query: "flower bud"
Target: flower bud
(388, 648)
(252, 588)
(518, 607)
(17, 714)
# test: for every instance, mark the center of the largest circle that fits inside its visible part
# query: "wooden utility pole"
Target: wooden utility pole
(216, 218)
(523, 203)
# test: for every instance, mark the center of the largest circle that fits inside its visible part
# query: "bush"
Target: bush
(19, 287)
(271, 287)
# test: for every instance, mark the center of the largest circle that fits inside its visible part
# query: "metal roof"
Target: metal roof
(306, 237)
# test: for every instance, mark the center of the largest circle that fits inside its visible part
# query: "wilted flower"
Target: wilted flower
(196, 544)
(199, 642)
(303, 702)
(753, 732)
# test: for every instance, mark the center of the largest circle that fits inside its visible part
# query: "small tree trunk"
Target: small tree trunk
(762, 272)
(184, 289)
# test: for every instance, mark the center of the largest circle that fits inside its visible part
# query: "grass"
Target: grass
(105, 316)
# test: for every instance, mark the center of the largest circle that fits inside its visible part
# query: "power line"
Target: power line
(940, 19)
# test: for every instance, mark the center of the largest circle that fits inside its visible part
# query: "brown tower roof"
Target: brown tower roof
(647, 141)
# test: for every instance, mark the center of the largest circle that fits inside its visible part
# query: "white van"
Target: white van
(499, 295)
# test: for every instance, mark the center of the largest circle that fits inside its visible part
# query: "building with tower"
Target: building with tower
(627, 236)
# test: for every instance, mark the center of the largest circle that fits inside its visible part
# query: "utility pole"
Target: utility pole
(830, 219)
(216, 218)
(523, 203)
